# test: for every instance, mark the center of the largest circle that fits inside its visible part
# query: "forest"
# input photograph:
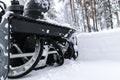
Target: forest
(87, 15)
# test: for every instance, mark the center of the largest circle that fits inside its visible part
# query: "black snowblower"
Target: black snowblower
(27, 42)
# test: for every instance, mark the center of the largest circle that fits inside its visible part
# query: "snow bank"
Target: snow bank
(103, 45)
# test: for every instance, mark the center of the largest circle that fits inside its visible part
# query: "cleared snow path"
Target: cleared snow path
(99, 59)
(78, 71)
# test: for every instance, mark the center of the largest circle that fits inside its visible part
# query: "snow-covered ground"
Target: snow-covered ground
(72, 70)
(99, 59)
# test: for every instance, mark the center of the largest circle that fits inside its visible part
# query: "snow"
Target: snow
(47, 20)
(73, 70)
(99, 59)
(7, 2)
(98, 46)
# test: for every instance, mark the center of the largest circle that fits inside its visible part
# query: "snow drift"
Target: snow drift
(104, 45)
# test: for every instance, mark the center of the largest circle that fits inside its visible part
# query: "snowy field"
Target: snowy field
(99, 59)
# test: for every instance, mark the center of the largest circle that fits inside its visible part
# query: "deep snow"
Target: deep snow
(99, 59)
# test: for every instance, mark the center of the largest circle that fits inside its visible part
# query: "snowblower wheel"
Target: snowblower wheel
(52, 55)
(58, 54)
(71, 53)
(23, 61)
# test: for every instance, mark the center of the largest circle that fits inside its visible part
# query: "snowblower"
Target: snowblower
(29, 43)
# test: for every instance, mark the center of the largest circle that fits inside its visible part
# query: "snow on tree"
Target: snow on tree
(85, 15)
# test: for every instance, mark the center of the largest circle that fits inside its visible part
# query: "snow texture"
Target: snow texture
(7, 2)
(103, 45)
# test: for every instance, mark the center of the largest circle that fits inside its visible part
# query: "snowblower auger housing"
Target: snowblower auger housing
(21, 24)
(27, 43)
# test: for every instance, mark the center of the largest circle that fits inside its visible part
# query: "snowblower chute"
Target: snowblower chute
(31, 43)
(23, 24)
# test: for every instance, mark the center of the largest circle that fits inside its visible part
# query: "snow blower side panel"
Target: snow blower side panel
(23, 24)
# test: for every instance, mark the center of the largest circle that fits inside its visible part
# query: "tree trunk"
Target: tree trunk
(110, 14)
(95, 16)
(87, 18)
